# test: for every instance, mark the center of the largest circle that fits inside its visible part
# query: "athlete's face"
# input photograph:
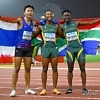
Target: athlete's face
(28, 12)
(49, 15)
(67, 16)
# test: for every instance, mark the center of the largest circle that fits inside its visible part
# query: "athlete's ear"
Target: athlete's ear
(24, 13)
(42, 17)
(52, 15)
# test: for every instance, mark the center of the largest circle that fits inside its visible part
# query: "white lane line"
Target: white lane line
(62, 89)
(39, 79)
(51, 83)
(21, 88)
(51, 68)
(56, 97)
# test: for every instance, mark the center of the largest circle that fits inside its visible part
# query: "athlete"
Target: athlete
(74, 48)
(49, 32)
(23, 50)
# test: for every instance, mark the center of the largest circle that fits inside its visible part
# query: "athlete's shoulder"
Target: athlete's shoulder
(74, 22)
(19, 19)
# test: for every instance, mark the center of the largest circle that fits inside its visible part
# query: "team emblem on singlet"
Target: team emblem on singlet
(71, 36)
(49, 36)
(27, 35)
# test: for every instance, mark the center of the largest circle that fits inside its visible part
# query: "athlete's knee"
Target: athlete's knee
(27, 69)
(45, 69)
(17, 69)
(70, 69)
(54, 69)
(82, 68)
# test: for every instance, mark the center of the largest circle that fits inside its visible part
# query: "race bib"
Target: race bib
(50, 36)
(71, 36)
(27, 35)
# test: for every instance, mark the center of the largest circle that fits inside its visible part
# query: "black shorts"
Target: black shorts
(23, 52)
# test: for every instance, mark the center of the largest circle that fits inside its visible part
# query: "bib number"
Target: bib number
(71, 36)
(27, 35)
(50, 36)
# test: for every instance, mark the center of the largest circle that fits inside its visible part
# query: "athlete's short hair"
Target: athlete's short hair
(28, 6)
(66, 10)
(49, 10)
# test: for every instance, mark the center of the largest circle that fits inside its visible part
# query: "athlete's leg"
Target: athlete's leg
(81, 61)
(54, 63)
(45, 63)
(27, 65)
(70, 63)
(17, 63)
(83, 73)
(70, 73)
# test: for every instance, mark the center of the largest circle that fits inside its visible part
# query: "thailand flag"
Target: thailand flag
(8, 34)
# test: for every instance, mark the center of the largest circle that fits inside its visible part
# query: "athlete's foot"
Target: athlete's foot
(29, 91)
(13, 93)
(43, 92)
(68, 91)
(55, 91)
(85, 91)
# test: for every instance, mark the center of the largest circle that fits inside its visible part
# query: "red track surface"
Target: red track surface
(93, 83)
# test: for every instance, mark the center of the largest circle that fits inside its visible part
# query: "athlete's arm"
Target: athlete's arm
(10, 20)
(37, 31)
(87, 22)
(59, 31)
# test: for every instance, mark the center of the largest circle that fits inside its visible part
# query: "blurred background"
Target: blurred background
(79, 8)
